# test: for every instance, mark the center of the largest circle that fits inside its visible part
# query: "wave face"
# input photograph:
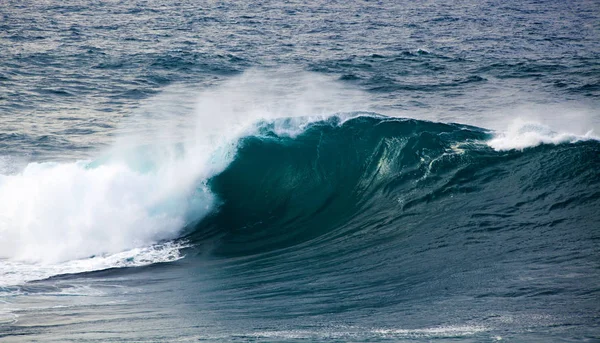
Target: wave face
(386, 179)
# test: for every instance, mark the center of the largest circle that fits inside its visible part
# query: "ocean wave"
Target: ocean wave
(281, 183)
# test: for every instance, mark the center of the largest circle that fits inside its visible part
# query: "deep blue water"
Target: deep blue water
(300, 172)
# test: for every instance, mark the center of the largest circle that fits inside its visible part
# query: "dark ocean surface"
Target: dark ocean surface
(287, 171)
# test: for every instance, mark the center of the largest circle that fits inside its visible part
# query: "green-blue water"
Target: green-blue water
(294, 172)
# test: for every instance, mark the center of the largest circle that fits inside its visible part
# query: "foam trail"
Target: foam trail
(16, 272)
(356, 332)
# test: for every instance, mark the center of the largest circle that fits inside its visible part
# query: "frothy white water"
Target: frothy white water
(59, 212)
(523, 134)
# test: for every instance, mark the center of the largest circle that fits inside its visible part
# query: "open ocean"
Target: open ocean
(290, 171)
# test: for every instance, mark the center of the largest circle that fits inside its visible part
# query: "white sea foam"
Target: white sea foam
(523, 134)
(58, 212)
(16, 272)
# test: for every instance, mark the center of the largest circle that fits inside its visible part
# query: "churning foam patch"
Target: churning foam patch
(55, 212)
(523, 134)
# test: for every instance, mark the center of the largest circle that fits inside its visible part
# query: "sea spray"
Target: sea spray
(151, 183)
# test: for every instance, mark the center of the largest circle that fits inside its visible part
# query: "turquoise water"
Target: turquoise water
(293, 172)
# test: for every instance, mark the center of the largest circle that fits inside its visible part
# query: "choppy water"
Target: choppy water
(284, 171)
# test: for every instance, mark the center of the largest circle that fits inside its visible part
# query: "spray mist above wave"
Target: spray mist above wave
(151, 183)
